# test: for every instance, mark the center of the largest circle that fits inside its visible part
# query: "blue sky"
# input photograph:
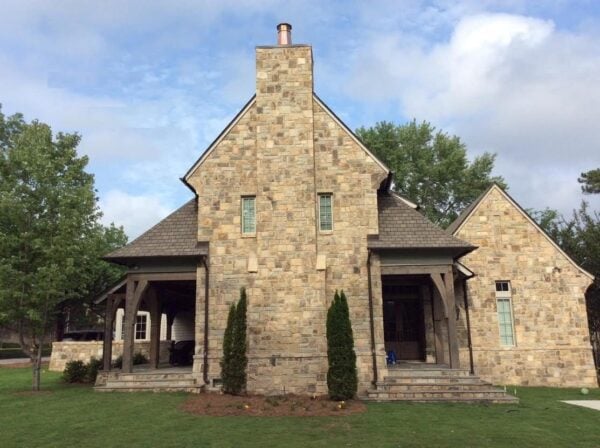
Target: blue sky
(149, 84)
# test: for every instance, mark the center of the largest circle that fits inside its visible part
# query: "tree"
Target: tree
(228, 353)
(342, 380)
(431, 168)
(235, 359)
(49, 230)
(590, 181)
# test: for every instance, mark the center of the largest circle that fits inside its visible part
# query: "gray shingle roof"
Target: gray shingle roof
(403, 227)
(174, 236)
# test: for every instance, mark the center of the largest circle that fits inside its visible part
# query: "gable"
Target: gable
(321, 106)
(496, 208)
(223, 135)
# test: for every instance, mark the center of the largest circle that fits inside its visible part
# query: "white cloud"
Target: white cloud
(136, 213)
(511, 84)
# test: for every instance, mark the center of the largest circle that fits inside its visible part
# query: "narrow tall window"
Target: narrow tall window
(249, 215)
(505, 314)
(325, 212)
(140, 326)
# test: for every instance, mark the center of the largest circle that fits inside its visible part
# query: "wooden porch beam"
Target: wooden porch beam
(164, 276)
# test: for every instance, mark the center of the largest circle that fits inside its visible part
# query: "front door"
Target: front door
(404, 330)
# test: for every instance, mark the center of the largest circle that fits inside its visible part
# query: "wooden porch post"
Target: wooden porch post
(154, 303)
(112, 303)
(452, 333)
(132, 301)
(108, 334)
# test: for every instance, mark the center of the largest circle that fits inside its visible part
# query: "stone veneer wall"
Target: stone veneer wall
(551, 329)
(65, 351)
(285, 150)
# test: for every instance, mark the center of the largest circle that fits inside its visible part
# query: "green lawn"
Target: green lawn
(75, 416)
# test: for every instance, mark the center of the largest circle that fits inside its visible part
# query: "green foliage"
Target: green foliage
(139, 358)
(50, 234)
(342, 380)
(75, 372)
(80, 417)
(235, 359)
(80, 372)
(590, 181)
(93, 367)
(431, 168)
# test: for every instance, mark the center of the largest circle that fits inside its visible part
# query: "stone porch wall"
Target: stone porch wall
(65, 351)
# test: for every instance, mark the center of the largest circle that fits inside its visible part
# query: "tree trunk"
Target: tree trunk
(36, 365)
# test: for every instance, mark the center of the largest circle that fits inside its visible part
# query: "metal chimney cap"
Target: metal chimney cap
(284, 34)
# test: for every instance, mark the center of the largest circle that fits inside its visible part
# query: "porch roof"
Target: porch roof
(403, 227)
(174, 236)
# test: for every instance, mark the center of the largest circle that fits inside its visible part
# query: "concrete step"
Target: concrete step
(440, 395)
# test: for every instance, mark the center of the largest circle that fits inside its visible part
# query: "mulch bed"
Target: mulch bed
(220, 405)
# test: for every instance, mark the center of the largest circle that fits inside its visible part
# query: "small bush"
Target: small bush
(118, 362)
(139, 358)
(93, 367)
(75, 372)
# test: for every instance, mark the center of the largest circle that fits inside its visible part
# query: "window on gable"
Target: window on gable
(505, 313)
(140, 326)
(326, 212)
(249, 215)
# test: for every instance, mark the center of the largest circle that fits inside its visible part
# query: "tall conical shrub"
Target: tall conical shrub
(235, 360)
(228, 353)
(240, 359)
(342, 380)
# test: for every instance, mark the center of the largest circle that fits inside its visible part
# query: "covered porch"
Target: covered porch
(169, 296)
(420, 313)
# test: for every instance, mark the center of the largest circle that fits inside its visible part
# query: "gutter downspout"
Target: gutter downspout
(466, 300)
(205, 363)
(372, 324)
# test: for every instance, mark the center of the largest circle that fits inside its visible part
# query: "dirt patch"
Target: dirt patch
(216, 404)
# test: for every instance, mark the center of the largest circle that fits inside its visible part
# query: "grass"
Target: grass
(75, 416)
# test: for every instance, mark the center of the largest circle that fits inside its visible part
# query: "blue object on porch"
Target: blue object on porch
(391, 358)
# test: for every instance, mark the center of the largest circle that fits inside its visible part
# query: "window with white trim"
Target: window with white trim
(505, 313)
(248, 215)
(325, 212)
(141, 321)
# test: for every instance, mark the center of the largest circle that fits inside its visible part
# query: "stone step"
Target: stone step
(504, 399)
(426, 371)
(433, 379)
(143, 388)
(427, 387)
(152, 383)
(148, 376)
(494, 395)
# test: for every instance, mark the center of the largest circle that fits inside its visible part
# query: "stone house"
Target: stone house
(290, 205)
